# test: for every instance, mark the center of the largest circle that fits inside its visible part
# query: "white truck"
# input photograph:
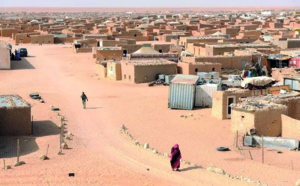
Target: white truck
(232, 81)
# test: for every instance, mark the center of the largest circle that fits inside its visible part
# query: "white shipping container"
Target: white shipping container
(204, 94)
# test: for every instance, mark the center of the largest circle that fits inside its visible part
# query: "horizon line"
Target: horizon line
(298, 6)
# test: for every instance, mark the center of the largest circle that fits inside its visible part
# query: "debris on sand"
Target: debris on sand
(190, 115)
(69, 136)
(35, 95)
(146, 146)
(215, 169)
(7, 167)
(54, 108)
(154, 151)
(64, 146)
(123, 128)
(60, 152)
(218, 170)
(44, 157)
(19, 163)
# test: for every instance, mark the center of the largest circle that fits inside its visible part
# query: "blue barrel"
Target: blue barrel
(249, 73)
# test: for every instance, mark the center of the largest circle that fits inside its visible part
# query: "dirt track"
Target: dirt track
(99, 153)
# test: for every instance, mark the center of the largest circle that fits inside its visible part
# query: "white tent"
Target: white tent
(146, 49)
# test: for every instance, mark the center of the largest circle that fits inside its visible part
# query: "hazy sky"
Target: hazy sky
(146, 3)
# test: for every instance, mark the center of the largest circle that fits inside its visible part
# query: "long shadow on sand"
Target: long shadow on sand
(22, 64)
(191, 168)
(200, 108)
(45, 128)
(93, 107)
(8, 146)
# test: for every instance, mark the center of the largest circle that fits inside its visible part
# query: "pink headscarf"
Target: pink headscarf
(175, 150)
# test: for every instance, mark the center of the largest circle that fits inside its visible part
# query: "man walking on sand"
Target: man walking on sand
(84, 99)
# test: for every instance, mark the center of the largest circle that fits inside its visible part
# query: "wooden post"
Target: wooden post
(250, 155)
(32, 125)
(262, 149)
(61, 135)
(18, 149)
(47, 150)
(236, 140)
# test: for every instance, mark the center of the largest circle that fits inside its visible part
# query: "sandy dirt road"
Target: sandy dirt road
(100, 154)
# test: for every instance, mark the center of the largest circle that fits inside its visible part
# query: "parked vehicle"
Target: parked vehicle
(23, 52)
(15, 56)
(232, 81)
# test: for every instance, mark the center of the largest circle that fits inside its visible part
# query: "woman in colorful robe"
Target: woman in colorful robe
(175, 157)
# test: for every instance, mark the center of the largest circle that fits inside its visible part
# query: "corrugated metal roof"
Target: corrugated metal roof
(185, 79)
(279, 57)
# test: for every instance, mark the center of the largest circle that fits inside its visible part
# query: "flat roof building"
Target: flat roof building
(15, 116)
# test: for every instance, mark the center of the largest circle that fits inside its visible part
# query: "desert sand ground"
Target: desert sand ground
(99, 153)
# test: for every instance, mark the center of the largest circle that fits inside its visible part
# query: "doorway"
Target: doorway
(230, 100)
(124, 53)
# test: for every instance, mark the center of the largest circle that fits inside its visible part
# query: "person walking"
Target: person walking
(84, 99)
(175, 157)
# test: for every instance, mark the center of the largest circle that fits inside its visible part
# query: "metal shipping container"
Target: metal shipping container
(168, 78)
(204, 94)
(182, 92)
